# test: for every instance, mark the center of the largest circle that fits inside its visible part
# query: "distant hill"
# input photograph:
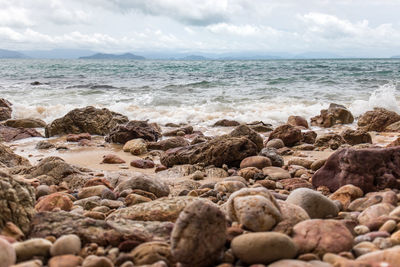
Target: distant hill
(113, 56)
(395, 56)
(59, 53)
(194, 57)
(11, 54)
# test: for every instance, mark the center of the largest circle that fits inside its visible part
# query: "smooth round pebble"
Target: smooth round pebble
(33, 247)
(95, 261)
(66, 244)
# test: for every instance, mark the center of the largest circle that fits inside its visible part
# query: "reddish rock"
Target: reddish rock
(78, 137)
(112, 159)
(294, 183)
(8, 134)
(134, 130)
(160, 168)
(335, 114)
(297, 121)
(369, 169)
(142, 164)
(346, 194)
(65, 261)
(98, 181)
(259, 162)
(355, 137)
(54, 201)
(377, 119)
(290, 135)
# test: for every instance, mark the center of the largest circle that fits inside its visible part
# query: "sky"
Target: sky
(363, 28)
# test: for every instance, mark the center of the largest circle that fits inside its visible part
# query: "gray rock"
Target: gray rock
(145, 183)
(33, 247)
(272, 154)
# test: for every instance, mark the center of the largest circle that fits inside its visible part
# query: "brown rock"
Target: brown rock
(394, 127)
(294, 183)
(133, 199)
(184, 130)
(8, 134)
(394, 143)
(5, 109)
(65, 261)
(275, 173)
(91, 191)
(329, 140)
(148, 184)
(246, 131)
(297, 121)
(306, 163)
(168, 143)
(275, 143)
(255, 161)
(249, 172)
(369, 169)
(10, 159)
(374, 212)
(96, 261)
(309, 137)
(389, 256)
(291, 215)
(377, 119)
(112, 159)
(78, 137)
(54, 201)
(152, 252)
(134, 130)
(226, 123)
(25, 123)
(346, 194)
(355, 137)
(335, 114)
(142, 164)
(290, 135)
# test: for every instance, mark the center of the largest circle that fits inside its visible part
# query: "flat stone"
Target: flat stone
(33, 247)
(66, 244)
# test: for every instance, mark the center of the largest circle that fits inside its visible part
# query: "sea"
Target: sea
(199, 92)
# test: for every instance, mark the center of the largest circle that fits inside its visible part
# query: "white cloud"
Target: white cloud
(14, 17)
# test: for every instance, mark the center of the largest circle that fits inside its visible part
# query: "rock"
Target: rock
(219, 151)
(25, 123)
(226, 123)
(78, 137)
(9, 134)
(169, 143)
(306, 163)
(329, 140)
(228, 187)
(322, 236)
(335, 114)
(309, 137)
(260, 127)
(346, 194)
(255, 208)
(134, 130)
(377, 119)
(164, 209)
(66, 244)
(388, 256)
(291, 215)
(297, 121)
(294, 183)
(10, 159)
(246, 131)
(314, 203)
(250, 173)
(275, 173)
(17, 201)
(348, 166)
(299, 263)
(316, 165)
(272, 154)
(394, 127)
(275, 143)
(152, 252)
(32, 263)
(33, 247)
(193, 241)
(44, 145)
(112, 159)
(290, 135)
(184, 130)
(7, 254)
(145, 183)
(91, 191)
(96, 261)
(133, 199)
(5, 109)
(355, 137)
(263, 248)
(135, 146)
(65, 261)
(374, 211)
(54, 201)
(142, 164)
(85, 120)
(255, 161)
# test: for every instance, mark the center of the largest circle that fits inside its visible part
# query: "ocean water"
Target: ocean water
(199, 92)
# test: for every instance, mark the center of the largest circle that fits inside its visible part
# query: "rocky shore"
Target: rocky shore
(95, 189)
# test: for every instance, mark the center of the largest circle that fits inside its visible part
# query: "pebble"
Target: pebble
(95, 261)
(389, 226)
(65, 261)
(33, 247)
(66, 244)
(7, 254)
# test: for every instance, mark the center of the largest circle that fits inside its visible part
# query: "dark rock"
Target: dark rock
(309, 137)
(297, 121)
(259, 162)
(8, 134)
(246, 131)
(85, 120)
(274, 157)
(5, 109)
(355, 137)
(260, 127)
(329, 140)
(377, 119)
(25, 123)
(10, 159)
(370, 169)
(44, 145)
(335, 114)
(134, 130)
(226, 123)
(290, 135)
(168, 143)
(142, 164)
(112, 159)
(185, 130)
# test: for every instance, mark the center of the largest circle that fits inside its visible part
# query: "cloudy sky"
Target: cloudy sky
(345, 27)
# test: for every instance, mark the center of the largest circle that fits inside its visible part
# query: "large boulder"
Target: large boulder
(5, 109)
(329, 140)
(9, 159)
(8, 134)
(289, 134)
(168, 143)
(370, 169)
(221, 150)
(25, 123)
(377, 119)
(355, 137)
(246, 131)
(17, 200)
(335, 114)
(85, 120)
(134, 130)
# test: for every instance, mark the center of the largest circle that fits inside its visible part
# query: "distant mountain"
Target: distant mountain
(316, 55)
(395, 56)
(59, 53)
(11, 54)
(194, 57)
(113, 56)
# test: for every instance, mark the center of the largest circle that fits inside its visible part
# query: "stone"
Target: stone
(169, 143)
(7, 254)
(297, 121)
(294, 183)
(85, 120)
(329, 140)
(255, 208)
(314, 203)
(322, 236)
(91, 191)
(377, 119)
(374, 212)
(348, 166)
(246, 131)
(300, 263)
(78, 137)
(273, 155)
(199, 234)
(65, 261)
(219, 151)
(355, 137)
(335, 114)
(135, 146)
(250, 173)
(309, 137)
(263, 247)
(316, 165)
(133, 199)
(25, 123)
(54, 201)
(17, 200)
(10, 159)
(32, 263)
(389, 226)
(9, 134)
(306, 163)
(226, 123)
(44, 145)
(152, 252)
(145, 183)
(12, 231)
(112, 159)
(228, 187)
(291, 215)
(164, 209)
(5, 109)
(346, 194)
(33, 247)
(275, 143)
(389, 256)
(275, 173)
(66, 244)
(96, 261)
(184, 130)
(142, 164)
(290, 135)
(134, 130)
(255, 161)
